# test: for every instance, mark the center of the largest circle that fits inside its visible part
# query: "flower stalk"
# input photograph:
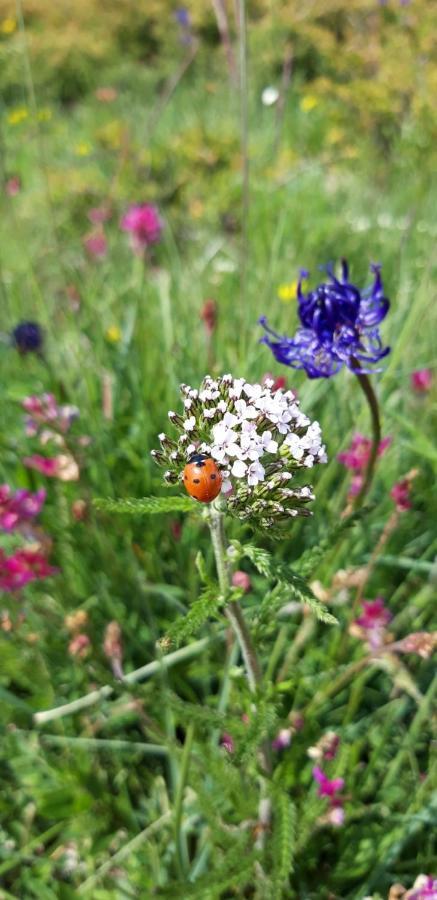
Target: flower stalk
(233, 611)
(369, 393)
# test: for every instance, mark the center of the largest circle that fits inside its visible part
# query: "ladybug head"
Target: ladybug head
(198, 458)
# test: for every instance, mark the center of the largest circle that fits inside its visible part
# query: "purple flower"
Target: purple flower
(424, 888)
(143, 224)
(27, 337)
(18, 507)
(328, 787)
(339, 327)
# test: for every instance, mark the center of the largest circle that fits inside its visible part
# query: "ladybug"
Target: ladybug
(202, 478)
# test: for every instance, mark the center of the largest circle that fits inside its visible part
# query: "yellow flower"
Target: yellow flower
(113, 334)
(287, 292)
(334, 135)
(17, 115)
(44, 114)
(8, 26)
(82, 149)
(308, 103)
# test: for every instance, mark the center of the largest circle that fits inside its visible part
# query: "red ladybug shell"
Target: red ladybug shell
(202, 478)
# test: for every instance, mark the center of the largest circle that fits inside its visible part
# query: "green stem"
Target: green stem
(369, 393)
(233, 610)
(180, 838)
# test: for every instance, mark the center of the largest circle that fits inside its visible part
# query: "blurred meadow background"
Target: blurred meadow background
(268, 139)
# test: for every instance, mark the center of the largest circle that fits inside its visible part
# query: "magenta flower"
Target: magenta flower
(400, 494)
(18, 507)
(373, 621)
(144, 225)
(22, 567)
(357, 456)
(13, 186)
(328, 787)
(96, 244)
(424, 888)
(421, 380)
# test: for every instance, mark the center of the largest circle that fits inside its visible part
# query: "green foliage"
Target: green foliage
(292, 585)
(145, 506)
(205, 607)
(283, 844)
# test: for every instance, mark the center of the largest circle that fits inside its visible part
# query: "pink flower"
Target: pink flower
(227, 742)
(99, 214)
(44, 410)
(400, 493)
(421, 381)
(13, 186)
(19, 507)
(424, 888)
(328, 787)
(357, 456)
(282, 739)
(420, 642)
(144, 225)
(63, 466)
(373, 621)
(96, 244)
(79, 645)
(22, 567)
(326, 747)
(279, 382)
(241, 580)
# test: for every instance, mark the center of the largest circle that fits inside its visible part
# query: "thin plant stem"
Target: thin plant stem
(233, 610)
(180, 837)
(152, 668)
(369, 393)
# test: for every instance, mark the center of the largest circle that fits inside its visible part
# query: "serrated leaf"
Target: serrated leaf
(199, 612)
(145, 506)
(283, 843)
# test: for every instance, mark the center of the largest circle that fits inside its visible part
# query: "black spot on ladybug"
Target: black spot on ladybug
(213, 477)
(196, 480)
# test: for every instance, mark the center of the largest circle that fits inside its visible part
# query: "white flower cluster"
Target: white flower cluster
(255, 435)
(251, 422)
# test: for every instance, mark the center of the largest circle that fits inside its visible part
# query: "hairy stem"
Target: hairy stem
(369, 393)
(233, 610)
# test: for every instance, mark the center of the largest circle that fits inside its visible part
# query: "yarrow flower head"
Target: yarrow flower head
(339, 327)
(257, 438)
(144, 225)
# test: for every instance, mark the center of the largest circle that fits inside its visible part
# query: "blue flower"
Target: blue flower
(339, 327)
(27, 337)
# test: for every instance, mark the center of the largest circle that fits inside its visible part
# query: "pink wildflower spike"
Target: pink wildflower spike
(13, 186)
(328, 787)
(400, 494)
(144, 225)
(357, 456)
(372, 622)
(46, 465)
(424, 888)
(421, 381)
(17, 508)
